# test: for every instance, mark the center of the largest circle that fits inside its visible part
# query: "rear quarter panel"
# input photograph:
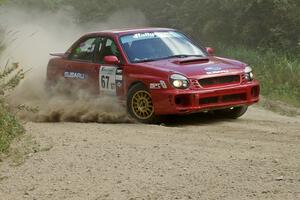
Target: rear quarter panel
(55, 69)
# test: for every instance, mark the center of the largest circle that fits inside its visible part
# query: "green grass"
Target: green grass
(10, 128)
(279, 74)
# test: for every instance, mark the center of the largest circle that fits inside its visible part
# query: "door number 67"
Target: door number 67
(104, 81)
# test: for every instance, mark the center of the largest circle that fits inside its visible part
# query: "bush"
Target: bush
(10, 77)
(9, 128)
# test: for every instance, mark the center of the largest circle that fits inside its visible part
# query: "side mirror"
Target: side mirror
(112, 60)
(210, 51)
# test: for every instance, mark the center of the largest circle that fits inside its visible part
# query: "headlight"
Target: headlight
(179, 81)
(249, 76)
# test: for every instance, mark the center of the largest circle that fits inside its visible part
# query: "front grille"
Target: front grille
(222, 80)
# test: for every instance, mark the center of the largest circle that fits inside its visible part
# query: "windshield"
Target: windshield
(150, 46)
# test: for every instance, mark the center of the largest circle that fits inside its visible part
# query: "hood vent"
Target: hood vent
(192, 61)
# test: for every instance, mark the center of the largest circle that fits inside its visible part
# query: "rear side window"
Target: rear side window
(85, 50)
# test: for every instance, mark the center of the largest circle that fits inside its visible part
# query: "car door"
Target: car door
(82, 70)
(110, 76)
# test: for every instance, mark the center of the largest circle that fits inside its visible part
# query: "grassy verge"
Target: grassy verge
(9, 128)
(277, 73)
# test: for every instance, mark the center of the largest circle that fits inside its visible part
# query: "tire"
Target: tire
(231, 113)
(140, 106)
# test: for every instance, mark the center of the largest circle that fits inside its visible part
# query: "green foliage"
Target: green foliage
(277, 73)
(269, 24)
(10, 77)
(259, 23)
(9, 128)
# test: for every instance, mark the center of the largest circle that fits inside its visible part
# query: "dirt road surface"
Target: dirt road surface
(255, 157)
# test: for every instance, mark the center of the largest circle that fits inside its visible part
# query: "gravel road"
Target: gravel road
(196, 157)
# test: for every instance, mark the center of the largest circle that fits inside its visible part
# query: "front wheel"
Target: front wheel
(231, 113)
(140, 106)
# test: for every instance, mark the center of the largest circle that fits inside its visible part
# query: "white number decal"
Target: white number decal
(107, 79)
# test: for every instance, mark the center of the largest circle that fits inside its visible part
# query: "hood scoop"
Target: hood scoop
(192, 61)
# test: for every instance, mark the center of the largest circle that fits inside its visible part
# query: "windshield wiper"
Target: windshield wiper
(163, 58)
(144, 60)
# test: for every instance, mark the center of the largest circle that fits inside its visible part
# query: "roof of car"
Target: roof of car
(130, 31)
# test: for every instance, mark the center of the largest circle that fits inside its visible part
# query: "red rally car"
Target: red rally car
(156, 71)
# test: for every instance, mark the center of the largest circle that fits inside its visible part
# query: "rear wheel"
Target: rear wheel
(231, 113)
(139, 104)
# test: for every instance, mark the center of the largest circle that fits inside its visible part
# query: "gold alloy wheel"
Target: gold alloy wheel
(141, 104)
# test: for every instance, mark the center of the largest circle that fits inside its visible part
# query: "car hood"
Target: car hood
(193, 67)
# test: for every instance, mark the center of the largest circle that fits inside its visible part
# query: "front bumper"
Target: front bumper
(189, 101)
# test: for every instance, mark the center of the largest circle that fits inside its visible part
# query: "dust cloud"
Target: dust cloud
(30, 35)
(74, 106)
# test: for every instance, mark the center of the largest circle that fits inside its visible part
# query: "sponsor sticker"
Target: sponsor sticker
(159, 85)
(119, 84)
(107, 79)
(143, 35)
(214, 70)
(119, 77)
(217, 72)
(75, 75)
(163, 84)
(155, 86)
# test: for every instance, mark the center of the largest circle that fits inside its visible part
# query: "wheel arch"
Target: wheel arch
(135, 83)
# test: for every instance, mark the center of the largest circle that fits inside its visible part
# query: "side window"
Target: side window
(85, 50)
(109, 48)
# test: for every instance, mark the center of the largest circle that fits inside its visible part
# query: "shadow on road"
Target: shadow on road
(193, 119)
